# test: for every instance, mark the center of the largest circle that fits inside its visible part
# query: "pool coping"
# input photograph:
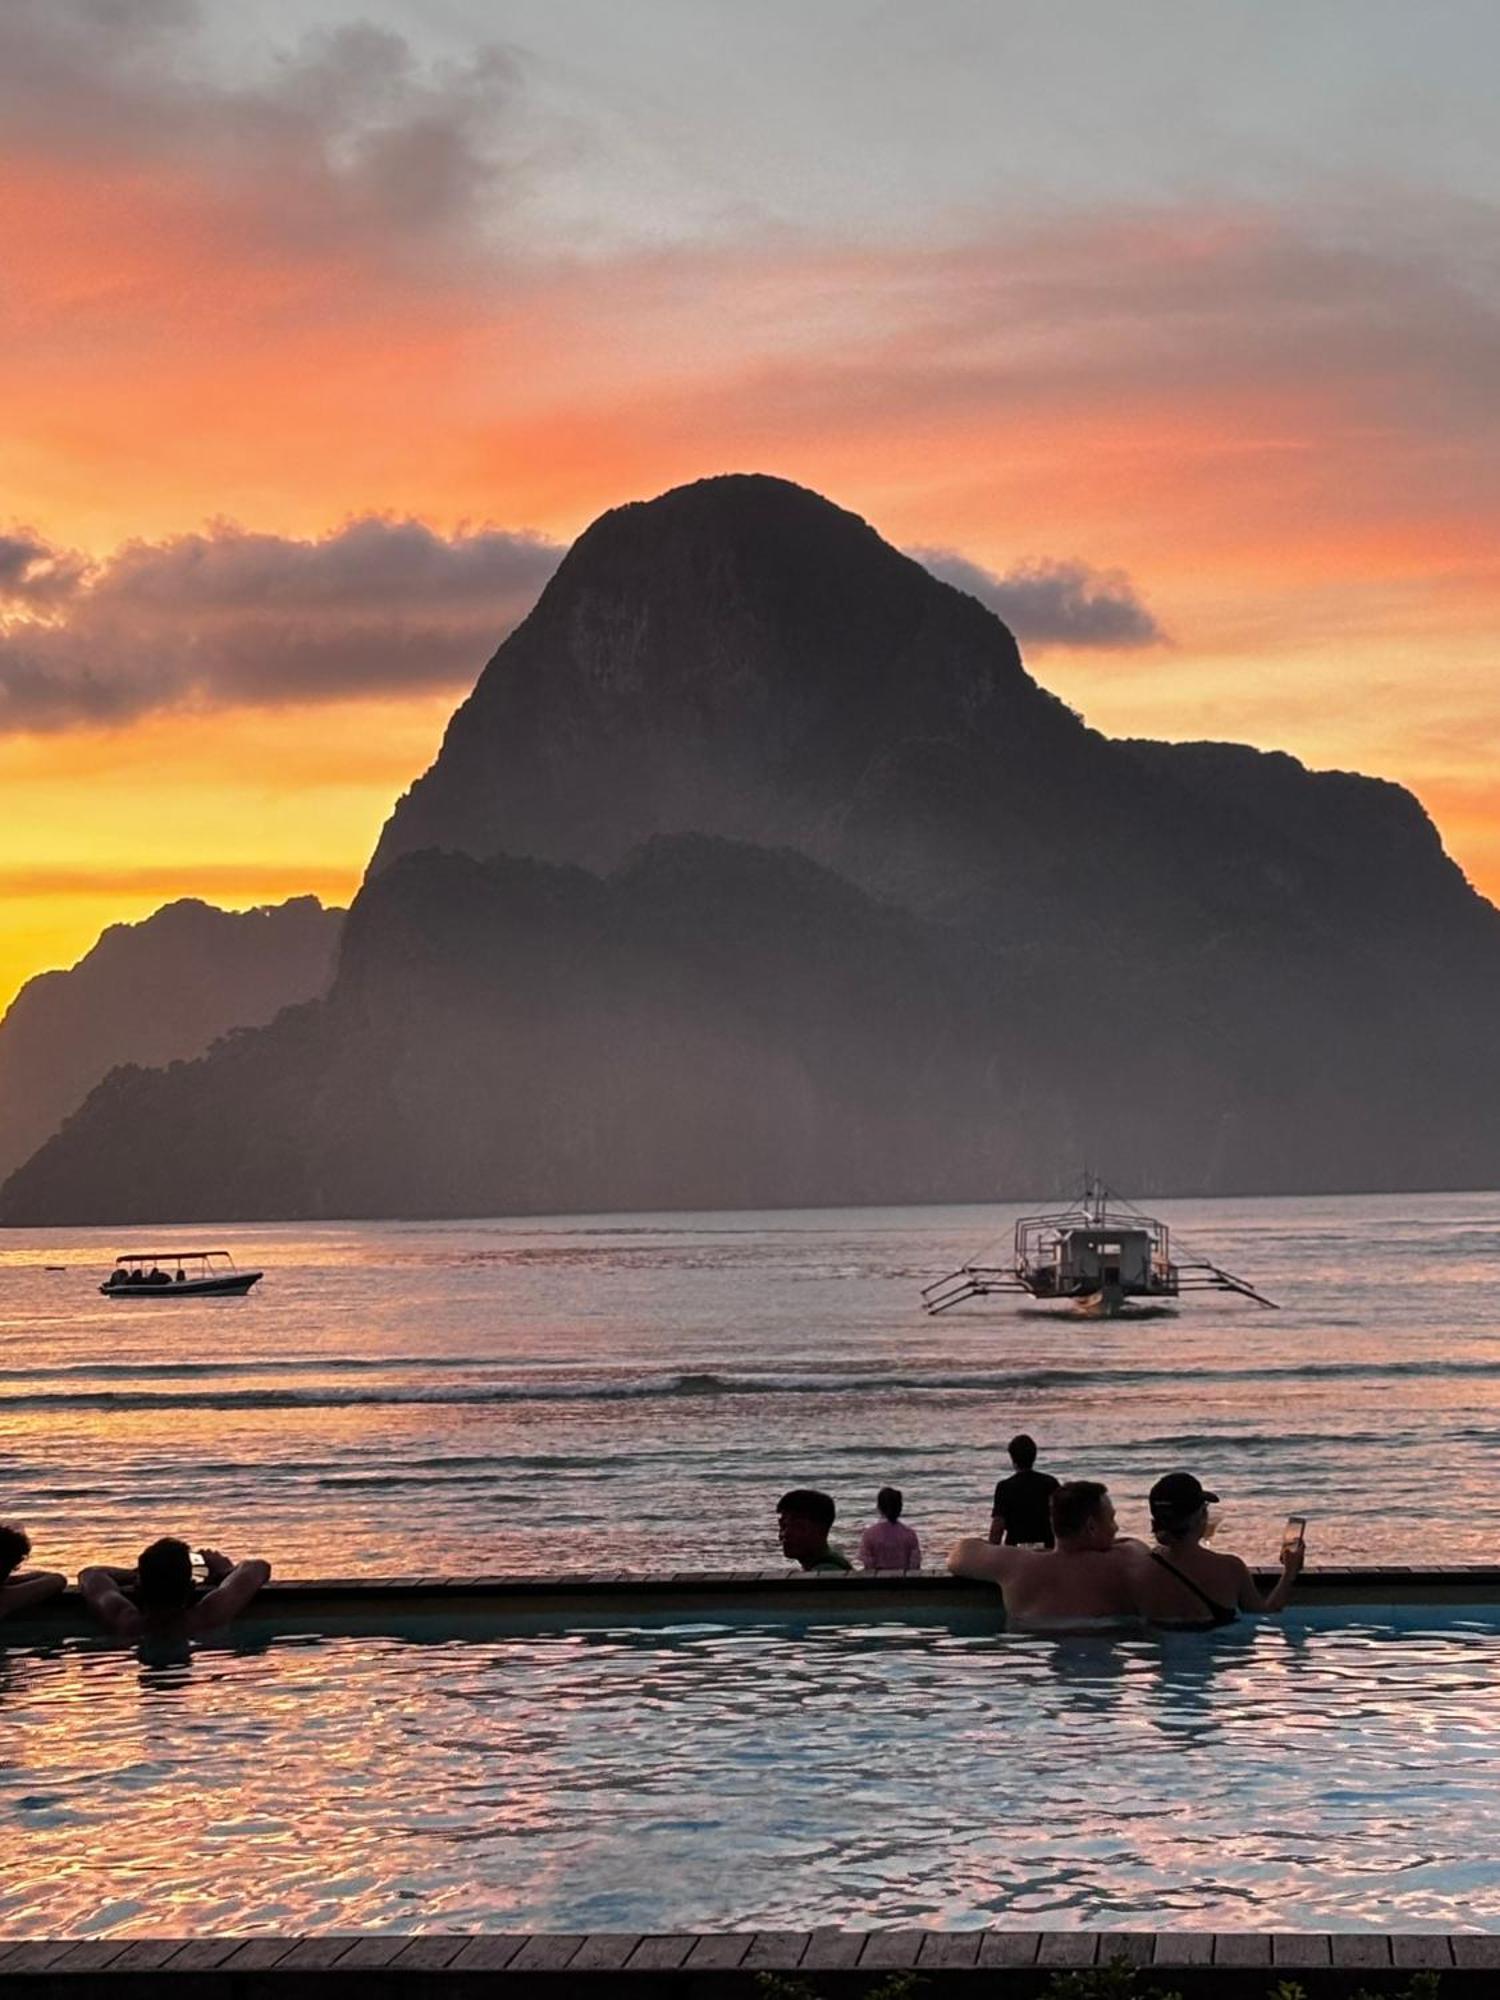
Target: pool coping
(623, 1594)
(687, 1964)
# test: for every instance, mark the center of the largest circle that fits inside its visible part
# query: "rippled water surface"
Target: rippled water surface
(634, 1392)
(1317, 1775)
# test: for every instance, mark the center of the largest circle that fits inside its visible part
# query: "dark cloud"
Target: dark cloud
(231, 618)
(348, 140)
(1053, 603)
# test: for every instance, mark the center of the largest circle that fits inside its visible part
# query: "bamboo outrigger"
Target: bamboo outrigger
(1097, 1255)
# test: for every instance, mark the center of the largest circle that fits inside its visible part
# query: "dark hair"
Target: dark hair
(164, 1576)
(15, 1547)
(810, 1504)
(889, 1502)
(1023, 1451)
(1075, 1505)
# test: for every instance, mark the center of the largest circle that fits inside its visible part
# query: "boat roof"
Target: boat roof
(164, 1256)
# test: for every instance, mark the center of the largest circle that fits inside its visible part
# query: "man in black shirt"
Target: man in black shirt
(1022, 1510)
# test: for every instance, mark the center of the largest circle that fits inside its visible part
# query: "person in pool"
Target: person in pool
(158, 1598)
(1187, 1585)
(803, 1518)
(1087, 1578)
(21, 1588)
(888, 1543)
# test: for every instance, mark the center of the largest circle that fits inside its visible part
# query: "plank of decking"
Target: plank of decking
(890, 1951)
(663, 1951)
(1009, 1947)
(1183, 1948)
(1421, 1950)
(35, 1954)
(143, 1955)
(1476, 1952)
(949, 1948)
(1068, 1948)
(376, 1954)
(604, 1951)
(1360, 1950)
(1301, 1948)
(317, 1954)
(830, 1950)
(1134, 1947)
(1242, 1948)
(431, 1953)
(205, 1954)
(775, 1951)
(477, 1954)
(547, 1952)
(257, 1954)
(718, 1951)
(94, 1954)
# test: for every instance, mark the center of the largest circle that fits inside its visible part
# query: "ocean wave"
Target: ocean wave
(694, 1384)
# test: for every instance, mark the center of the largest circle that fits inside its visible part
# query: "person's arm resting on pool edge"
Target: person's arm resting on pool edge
(982, 1561)
(23, 1588)
(109, 1604)
(232, 1587)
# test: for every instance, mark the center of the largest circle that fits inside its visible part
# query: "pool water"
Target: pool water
(1338, 1771)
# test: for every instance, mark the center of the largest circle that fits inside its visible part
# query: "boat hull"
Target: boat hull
(234, 1285)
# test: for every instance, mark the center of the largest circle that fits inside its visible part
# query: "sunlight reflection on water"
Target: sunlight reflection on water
(1313, 1776)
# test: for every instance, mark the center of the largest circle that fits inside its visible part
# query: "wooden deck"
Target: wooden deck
(698, 1966)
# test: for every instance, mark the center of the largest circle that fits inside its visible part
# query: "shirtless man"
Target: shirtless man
(1086, 1579)
(21, 1588)
(165, 1602)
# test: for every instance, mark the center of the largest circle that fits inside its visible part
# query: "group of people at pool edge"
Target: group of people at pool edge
(159, 1596)
(1052, 1549)
(1055, 1554)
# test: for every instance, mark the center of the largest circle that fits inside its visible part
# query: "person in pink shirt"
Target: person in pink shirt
(888, 1543)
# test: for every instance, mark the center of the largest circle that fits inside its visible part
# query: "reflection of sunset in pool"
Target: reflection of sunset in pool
(1337, 1773)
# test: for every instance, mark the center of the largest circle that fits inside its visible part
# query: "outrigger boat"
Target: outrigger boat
(195, 1274)
(1097, 1255)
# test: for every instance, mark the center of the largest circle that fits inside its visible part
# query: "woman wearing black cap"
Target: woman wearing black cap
(1186, 1584)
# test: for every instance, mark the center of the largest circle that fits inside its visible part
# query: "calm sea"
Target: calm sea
(634, 1391)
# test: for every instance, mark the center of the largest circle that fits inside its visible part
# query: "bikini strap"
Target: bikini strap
(1221, 1614)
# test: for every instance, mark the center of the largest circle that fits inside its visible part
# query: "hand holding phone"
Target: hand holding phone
(1293, 1539)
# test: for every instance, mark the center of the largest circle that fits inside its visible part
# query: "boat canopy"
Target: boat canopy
(167, 1256)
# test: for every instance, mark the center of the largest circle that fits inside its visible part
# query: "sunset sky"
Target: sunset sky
(1172, 329)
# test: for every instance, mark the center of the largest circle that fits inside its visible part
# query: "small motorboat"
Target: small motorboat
(1098, 1256)
(177, 1274)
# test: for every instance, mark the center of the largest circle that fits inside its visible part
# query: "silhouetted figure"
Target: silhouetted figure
(20, 1589)
(162, 1599)
(157, 1276)
(1021, 1513)
(888, 1543)
(803, 1518)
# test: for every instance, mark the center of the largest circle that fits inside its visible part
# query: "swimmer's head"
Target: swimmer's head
(1083, 1515)
(15, 1547)
(164, 1576)
(803, 1518)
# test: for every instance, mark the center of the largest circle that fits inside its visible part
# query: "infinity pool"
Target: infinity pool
(1339, 1771)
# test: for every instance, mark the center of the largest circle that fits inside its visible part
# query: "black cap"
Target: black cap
(1179, 1493)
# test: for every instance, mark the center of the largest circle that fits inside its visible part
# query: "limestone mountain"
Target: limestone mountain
(757, 868)
(151, 993)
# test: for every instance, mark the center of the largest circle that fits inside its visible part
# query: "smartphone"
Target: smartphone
(1294, 1534)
